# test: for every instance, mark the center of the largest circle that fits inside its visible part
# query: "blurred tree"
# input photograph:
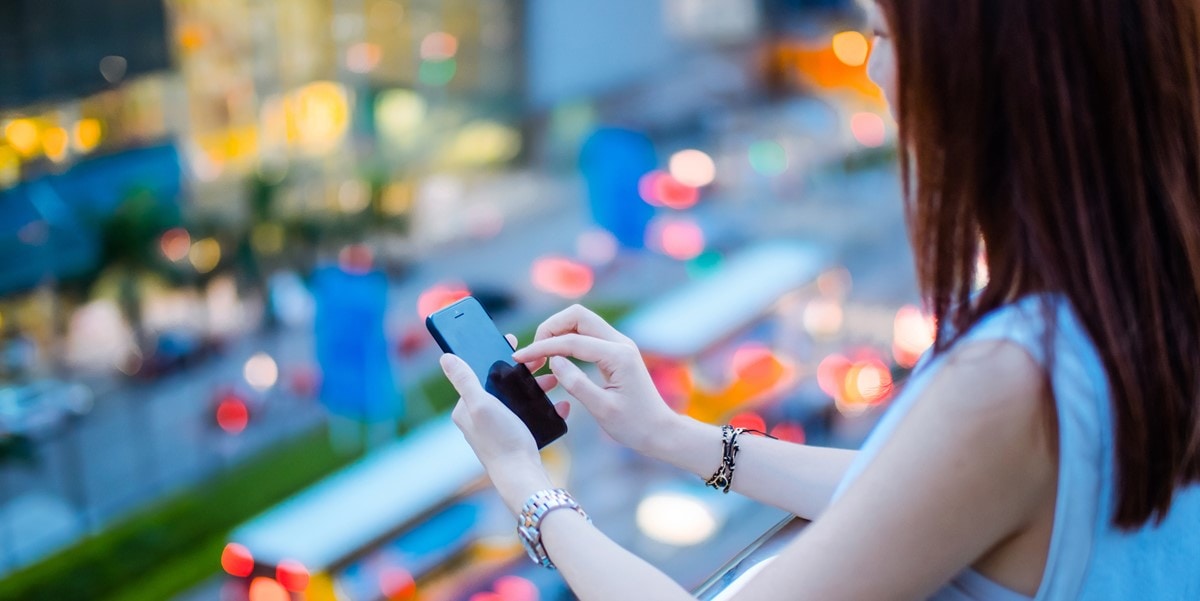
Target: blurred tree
(129, 249)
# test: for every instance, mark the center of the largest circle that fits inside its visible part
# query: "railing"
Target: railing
(735, 574)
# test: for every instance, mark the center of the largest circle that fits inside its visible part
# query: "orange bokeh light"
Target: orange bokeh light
(265, 589)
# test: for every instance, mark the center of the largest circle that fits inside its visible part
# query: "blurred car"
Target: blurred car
(36, 408)
(171, 351)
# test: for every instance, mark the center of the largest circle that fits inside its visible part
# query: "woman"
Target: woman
(1049, 445)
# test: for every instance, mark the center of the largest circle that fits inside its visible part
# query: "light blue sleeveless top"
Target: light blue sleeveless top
(1089, 558)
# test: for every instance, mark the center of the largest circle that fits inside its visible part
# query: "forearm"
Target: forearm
(796, 478)
(597, 568)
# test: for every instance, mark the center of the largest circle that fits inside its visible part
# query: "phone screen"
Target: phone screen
(465, 329)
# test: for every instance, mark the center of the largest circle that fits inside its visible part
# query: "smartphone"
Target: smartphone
(465, 329)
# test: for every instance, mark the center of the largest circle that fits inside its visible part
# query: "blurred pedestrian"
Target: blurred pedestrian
(356, 384)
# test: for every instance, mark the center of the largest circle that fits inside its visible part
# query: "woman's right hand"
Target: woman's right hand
(625, 402)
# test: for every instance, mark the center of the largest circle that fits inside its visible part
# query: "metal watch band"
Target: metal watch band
(529, 522)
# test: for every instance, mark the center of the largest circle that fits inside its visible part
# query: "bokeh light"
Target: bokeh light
(677, 238)
(661, 189)
(693, 168)
(516, 588)
(676, 519)
(851, 48)
(55, 143)
(437, 73)
(912, 334)
(438, 46)
(397, 584)
(292, 575)
(562, 276)
(790, 432)
(205, 255)
(749, 420)
(266, 589)
(768, 157)
(596, 246)
(175, 244)
(823, 317)
(868, 129)
(261, 371)
(86, 135)
(440, 295)
(232, 414)
(22, 135)
(363, 57)
(236, 560)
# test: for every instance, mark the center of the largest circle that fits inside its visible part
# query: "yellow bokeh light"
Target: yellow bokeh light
(205, 255)
(22, 135)
(267, 238)
(55, 142)
(319, 116)
(87, 134)
(851, 48)
(10, 167)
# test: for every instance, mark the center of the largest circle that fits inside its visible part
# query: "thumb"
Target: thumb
(575, 381)
(460, 376)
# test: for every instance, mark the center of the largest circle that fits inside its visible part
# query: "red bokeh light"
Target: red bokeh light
(440, 295)
(675, 194)
(648, 187)
(750, 421)
(515, 588)
(790, 432)
(232, 414)
(831, 374)
(397, 584)
(292, 575)
(562, 276)
(680, 239)
(237, 561)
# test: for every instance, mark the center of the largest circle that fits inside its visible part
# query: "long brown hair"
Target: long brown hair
(1065, 137)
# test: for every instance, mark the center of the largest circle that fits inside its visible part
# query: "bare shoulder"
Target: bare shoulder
(990, 379)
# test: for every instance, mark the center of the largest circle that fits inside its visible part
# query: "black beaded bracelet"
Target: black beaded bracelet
(722, 479)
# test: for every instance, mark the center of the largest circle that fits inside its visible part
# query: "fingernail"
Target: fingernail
(446, 361)
(556, 363)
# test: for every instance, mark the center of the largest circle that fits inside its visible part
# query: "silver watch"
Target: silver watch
(529, 522)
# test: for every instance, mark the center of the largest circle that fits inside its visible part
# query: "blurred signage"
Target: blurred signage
(723, 21)
(71, 48)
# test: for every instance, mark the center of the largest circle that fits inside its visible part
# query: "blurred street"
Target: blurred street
(203, 232)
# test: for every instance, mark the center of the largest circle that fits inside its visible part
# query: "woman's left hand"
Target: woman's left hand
(500, 440)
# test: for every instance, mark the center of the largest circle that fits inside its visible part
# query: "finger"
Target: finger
(579, 320)
(462, 378)
(512, 340)
(563, 408)
(547, 382)
(584, 348)
(577, 383)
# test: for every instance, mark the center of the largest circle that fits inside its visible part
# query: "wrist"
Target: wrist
(667, 435)
(516, 483)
